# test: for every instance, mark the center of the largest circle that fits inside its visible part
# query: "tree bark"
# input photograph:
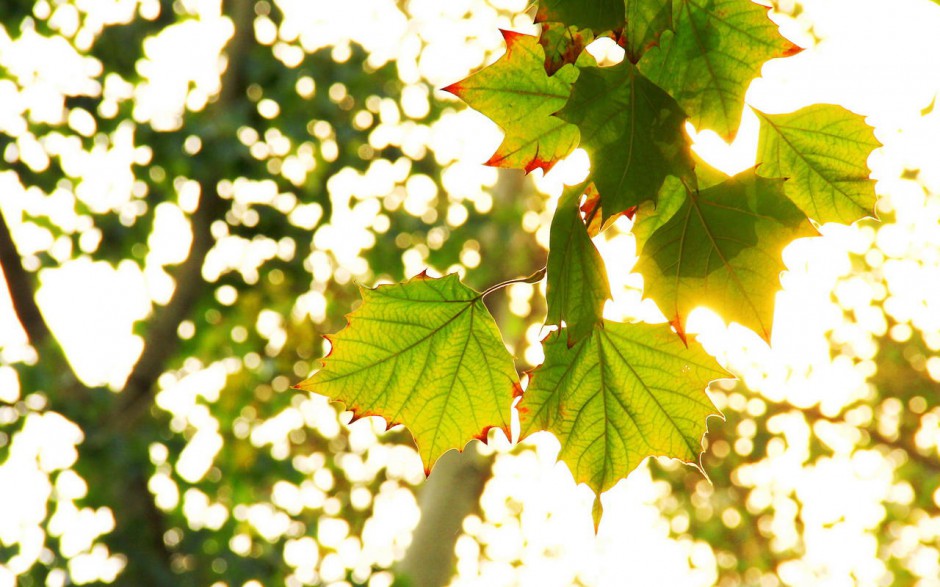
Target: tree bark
(451, 493)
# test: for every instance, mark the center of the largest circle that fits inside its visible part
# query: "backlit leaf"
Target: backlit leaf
(632, 131)
(424, 353)
(516, 93)
(722, 249)
(597, 15)
(577, 281)
(823, 150)
(627, 392)
(717, 48)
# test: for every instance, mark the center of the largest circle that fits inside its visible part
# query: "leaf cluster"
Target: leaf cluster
(427, 354)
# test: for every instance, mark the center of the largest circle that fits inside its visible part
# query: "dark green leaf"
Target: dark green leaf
(632, 131)
(597, 15)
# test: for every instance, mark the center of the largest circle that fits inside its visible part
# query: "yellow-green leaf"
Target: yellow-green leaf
(627, 392)
(577, 281)
(717, 48)
(427, 354)
(516, 93)
(722, 249)
(823, 150)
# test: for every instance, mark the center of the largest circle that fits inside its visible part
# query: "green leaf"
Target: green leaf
(427, 354)
(628, 392)
(646, 22)
(717, 48)
(722, 249)
(562, 44)
(823, 150)
(598, 15)
(516, 93)
(577, 280)
(632, 131)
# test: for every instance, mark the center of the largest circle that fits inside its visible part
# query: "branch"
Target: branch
(162, 340)
(21, 289)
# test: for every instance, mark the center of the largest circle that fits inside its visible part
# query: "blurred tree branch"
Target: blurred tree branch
(162, 340)
(21, 289)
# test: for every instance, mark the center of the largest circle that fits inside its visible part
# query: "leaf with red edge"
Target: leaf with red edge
(516, 93)
(427, 354)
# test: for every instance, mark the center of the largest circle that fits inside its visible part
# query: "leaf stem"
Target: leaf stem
(534, 278)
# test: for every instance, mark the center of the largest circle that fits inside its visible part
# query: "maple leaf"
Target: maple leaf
(722, 249)
(632, 131)
(516, 93)
(577, 280)
(427, 354)
(627, 392)
(823, 149)
(717, 48)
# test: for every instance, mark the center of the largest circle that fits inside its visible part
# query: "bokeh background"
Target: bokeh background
(190, 192)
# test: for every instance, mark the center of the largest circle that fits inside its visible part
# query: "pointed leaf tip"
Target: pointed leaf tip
(512, 37)
(676, 324)
(792, 50)
(597, 510)
(454, 88)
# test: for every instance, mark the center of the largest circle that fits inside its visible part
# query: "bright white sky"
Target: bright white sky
(876, 58)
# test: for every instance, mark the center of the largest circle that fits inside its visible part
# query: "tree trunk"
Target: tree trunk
(451, 493)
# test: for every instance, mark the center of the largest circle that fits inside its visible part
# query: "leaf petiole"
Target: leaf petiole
(534, 278)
